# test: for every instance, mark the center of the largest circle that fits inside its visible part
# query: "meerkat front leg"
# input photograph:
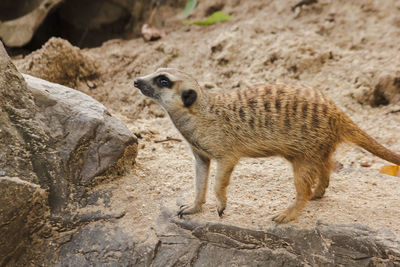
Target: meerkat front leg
(201, 182)
(224, 171)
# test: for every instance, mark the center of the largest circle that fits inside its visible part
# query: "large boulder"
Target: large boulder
(88, 140)
(56, 145)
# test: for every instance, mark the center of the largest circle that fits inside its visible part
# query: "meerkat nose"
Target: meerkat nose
(137, 83)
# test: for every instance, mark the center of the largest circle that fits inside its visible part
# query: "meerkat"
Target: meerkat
(295, 122)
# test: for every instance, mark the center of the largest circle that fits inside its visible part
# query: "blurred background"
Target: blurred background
(25, 25)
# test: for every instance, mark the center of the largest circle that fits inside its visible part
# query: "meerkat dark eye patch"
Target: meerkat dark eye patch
(189, 97)
(163, 81)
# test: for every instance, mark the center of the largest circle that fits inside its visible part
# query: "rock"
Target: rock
(322, 245)
(21, 136)
(23, 213)
(55, 136)
(189, 242)
(20, 19)
(23, 203)
(386, 89)
(58, 142)
(99, 245)
(59, 62)
(378, 90)
(88, 140)
(151, 33)
(91, 141)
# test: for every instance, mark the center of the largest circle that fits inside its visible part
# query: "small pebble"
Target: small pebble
(365, 164)
(91, 84)
(338, 166)
(2, 173)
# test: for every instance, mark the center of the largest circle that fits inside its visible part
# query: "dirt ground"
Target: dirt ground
(344, 48)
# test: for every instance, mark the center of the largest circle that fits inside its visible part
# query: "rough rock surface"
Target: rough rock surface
(194, 243)
(23, 205)
(20, 136)
(100, 244)
(224, 245)
(88, 139)
(60, 62)
(23, 213)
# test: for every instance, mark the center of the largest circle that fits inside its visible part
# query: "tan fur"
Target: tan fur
(295, 122)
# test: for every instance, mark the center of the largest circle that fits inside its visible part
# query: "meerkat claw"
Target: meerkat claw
(188, 209)
(318, 194)
(181, 211)
(220, 212)
(180, 214)
(316, 197)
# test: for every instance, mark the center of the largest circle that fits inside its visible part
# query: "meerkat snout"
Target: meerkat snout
(137, 83)
(295, 122)
(145, 88)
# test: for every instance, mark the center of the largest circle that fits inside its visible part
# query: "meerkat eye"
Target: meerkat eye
(163, 81)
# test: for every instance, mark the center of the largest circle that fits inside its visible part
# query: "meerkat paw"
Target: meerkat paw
(286, 216)
(221, 205)
(318, 193)
(188, 209)
(220, 211)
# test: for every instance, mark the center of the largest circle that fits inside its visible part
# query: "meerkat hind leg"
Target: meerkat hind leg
(323, 183)
(324, 175)
(304, 175)
(201, 182)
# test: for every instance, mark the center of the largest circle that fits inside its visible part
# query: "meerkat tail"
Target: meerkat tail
(362, 139)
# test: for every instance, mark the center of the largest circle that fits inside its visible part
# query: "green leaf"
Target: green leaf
(189, 7)
(218, 16)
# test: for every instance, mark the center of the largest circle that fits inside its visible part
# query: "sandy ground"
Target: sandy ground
(340, 47)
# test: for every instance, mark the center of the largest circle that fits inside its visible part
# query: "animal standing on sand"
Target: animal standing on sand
(295, 122)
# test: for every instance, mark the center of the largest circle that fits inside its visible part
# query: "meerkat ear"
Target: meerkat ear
(189, 97)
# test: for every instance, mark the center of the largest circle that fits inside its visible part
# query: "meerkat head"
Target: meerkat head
(172, 88)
